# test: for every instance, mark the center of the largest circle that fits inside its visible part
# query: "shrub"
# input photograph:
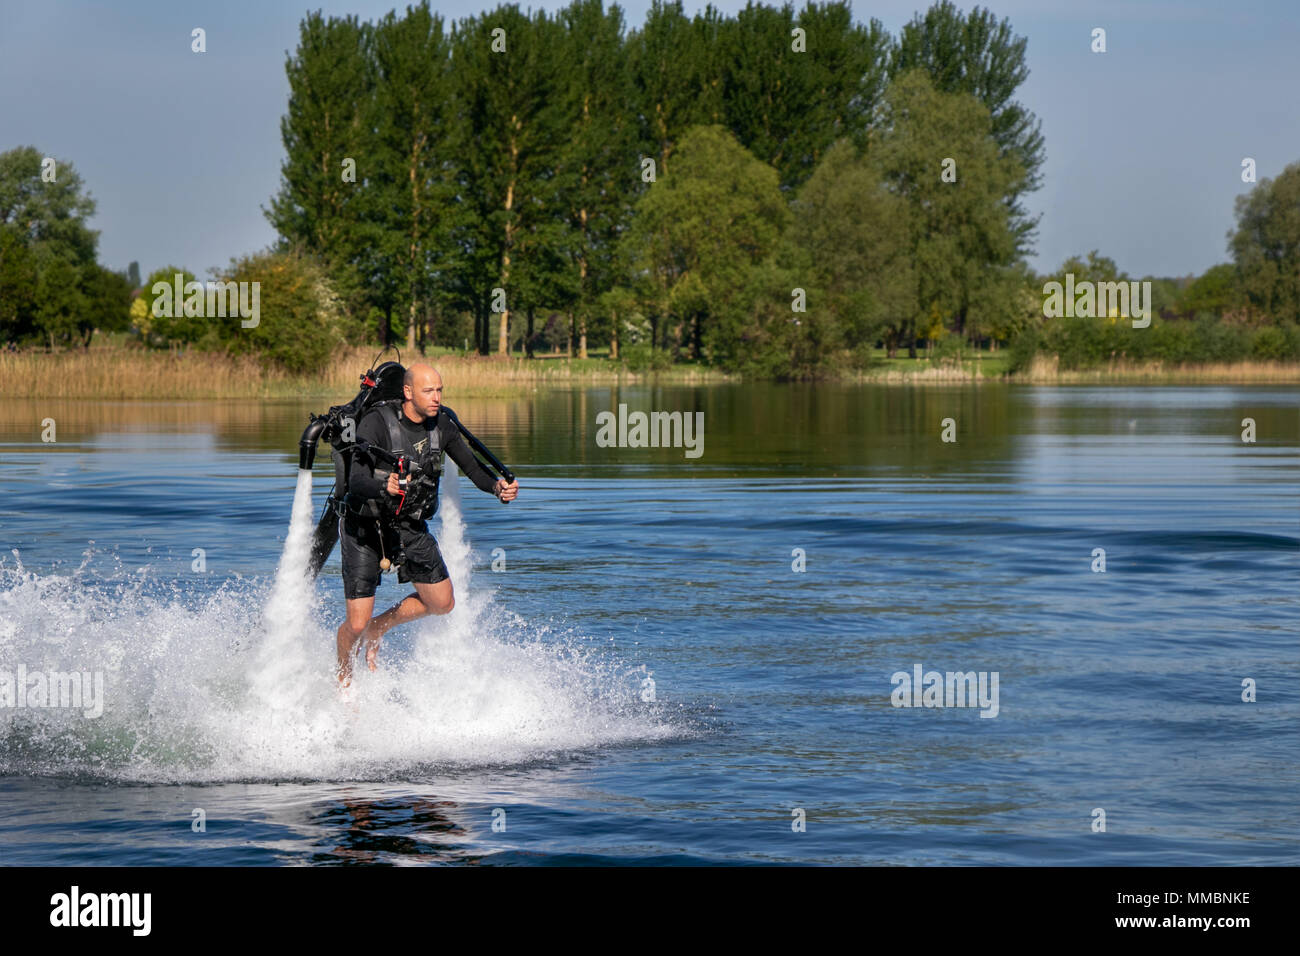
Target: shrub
(644, 358)
(1078, 342)
(1024, 346)
(301, 321)
(1216, 341)
(1271, 344)
(950, 349)
(1171, 342)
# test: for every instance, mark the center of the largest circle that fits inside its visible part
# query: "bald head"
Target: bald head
(422, 389)
(419, 370)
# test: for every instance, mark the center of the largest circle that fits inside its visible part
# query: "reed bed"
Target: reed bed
(129, 373)
(1045, 370)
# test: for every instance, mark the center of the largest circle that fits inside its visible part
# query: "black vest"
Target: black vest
(421, 499)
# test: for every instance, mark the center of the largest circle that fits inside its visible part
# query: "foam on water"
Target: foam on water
(238, 684)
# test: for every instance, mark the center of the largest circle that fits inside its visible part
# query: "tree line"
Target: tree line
(668, 186)
(1246, 309)
(781, 192)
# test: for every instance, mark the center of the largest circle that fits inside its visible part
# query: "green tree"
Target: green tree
(1166, 293)
(50, 216)
(597, 172)
(46, 220)
(410, 188)
(59, 300)
(1266, 245)
(852, 234)
(1023, 307)
(18, 278)
(982, 56)
(698, 233)
(788, 106)
(511, 134)
(1093, 267)
(768, 339)
(107, 299)
(960, 238)
(1215, 290)
(677, 78)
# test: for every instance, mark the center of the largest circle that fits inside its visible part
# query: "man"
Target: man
(423, 436)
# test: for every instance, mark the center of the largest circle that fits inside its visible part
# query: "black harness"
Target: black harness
(421, 499)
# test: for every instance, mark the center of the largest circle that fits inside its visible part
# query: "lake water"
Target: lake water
(649, 678)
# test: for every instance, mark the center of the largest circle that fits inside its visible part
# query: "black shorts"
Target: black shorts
(360, 545)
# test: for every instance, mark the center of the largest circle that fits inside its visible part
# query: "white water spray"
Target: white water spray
(283, 654)
(237, 682)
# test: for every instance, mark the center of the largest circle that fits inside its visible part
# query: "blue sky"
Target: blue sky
(181, 151)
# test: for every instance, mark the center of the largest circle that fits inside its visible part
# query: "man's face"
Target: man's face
(425, 394)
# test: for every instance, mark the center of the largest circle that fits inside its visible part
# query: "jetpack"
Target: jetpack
(380, 385)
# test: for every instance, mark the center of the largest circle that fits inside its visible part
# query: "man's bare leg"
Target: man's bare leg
(427, 599)
(350, 632)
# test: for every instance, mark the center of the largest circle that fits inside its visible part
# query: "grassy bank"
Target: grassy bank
(127, 373)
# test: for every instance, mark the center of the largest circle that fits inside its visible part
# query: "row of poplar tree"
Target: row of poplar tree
(775, 190)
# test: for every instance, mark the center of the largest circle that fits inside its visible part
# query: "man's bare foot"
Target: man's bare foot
(345, 645)
(370, 641)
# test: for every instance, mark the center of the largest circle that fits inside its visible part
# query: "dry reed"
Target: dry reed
(136, 373)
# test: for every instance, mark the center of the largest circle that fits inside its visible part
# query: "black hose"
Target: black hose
(307, 444)
(479, 447)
